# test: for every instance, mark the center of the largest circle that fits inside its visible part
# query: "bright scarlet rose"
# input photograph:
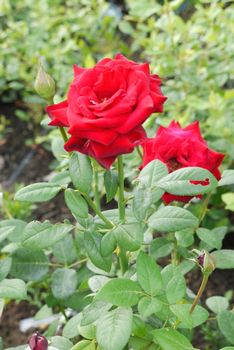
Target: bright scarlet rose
(180, 148)
(106, 106)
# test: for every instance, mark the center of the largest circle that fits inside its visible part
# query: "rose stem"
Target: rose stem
(97, 210)
(200, 292)
(121, 203)
(123, 260)
(95, 185)
(63, 133)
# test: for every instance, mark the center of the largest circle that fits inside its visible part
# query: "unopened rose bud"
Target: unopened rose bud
(38, 342)
(206, 261)
(44, 84)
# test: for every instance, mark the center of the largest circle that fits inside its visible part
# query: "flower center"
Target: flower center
(173, 164)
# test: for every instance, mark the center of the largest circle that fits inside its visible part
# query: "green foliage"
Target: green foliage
(109, 269)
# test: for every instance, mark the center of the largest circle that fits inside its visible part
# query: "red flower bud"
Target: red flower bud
(38, 342)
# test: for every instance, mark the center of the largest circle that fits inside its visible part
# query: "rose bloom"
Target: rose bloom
(38, 342)
(106, 106)
(180, 148)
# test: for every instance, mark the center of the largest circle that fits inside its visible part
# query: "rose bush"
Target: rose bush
(180, 148)
(100, 270)
(106, 106)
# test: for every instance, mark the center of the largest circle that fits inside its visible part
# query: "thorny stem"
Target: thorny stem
(204, 207)
(63, 133)
(123, 259)
(200, 292)
(95, 185)
(121, 189)
(97, 210)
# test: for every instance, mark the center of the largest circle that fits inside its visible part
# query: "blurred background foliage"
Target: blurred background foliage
(188, 43)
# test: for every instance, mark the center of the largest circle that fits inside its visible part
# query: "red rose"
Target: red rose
(38, 342)
(106, 106)
(180, 148)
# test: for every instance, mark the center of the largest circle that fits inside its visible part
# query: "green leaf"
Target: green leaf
(212, 237)
(176, 288)
(64, 250)
(92, 242)
(93, 312)
(226, 324)
(88, 331)
(148, 306)
(70, 329)
(160, 247)
(170, 339)
(16, 228)
(61, 343)
(217, 304)
(120, 292)
(199, 315)
(13, 289)
(5, 232)
(170, 219)
(224, 258)
(38, 192)
(228, 348)
(111, 184)
(108, 243)
(39, 235)
(114, 329)
(184, 238)
(84, 345)
(152, 173)
(179, 181)
(130, 236)
(227, 178)
(141, 202)
(5, 266)
(81, 172)
(29, 265)
(148, 274)
(228, 199)
(62, 178)
(63, 283)
(97, 282)
(76, 203)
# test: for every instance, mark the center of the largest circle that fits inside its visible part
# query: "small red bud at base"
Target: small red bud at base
(38, 342)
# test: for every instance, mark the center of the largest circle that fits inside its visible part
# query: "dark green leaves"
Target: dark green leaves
(170, 219)
(38, 192)
(64, 282)
(120, 292)
(226, 324)
(29, 265)
(224, 258)
(179, 182)
(170, 339)
(13, 289)
(81, 172)
(152, 173)
(114, 329)
(92, 242)
(227, 178)
(76, 203)
(148, 274)
(111, 184)
(39, 235)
